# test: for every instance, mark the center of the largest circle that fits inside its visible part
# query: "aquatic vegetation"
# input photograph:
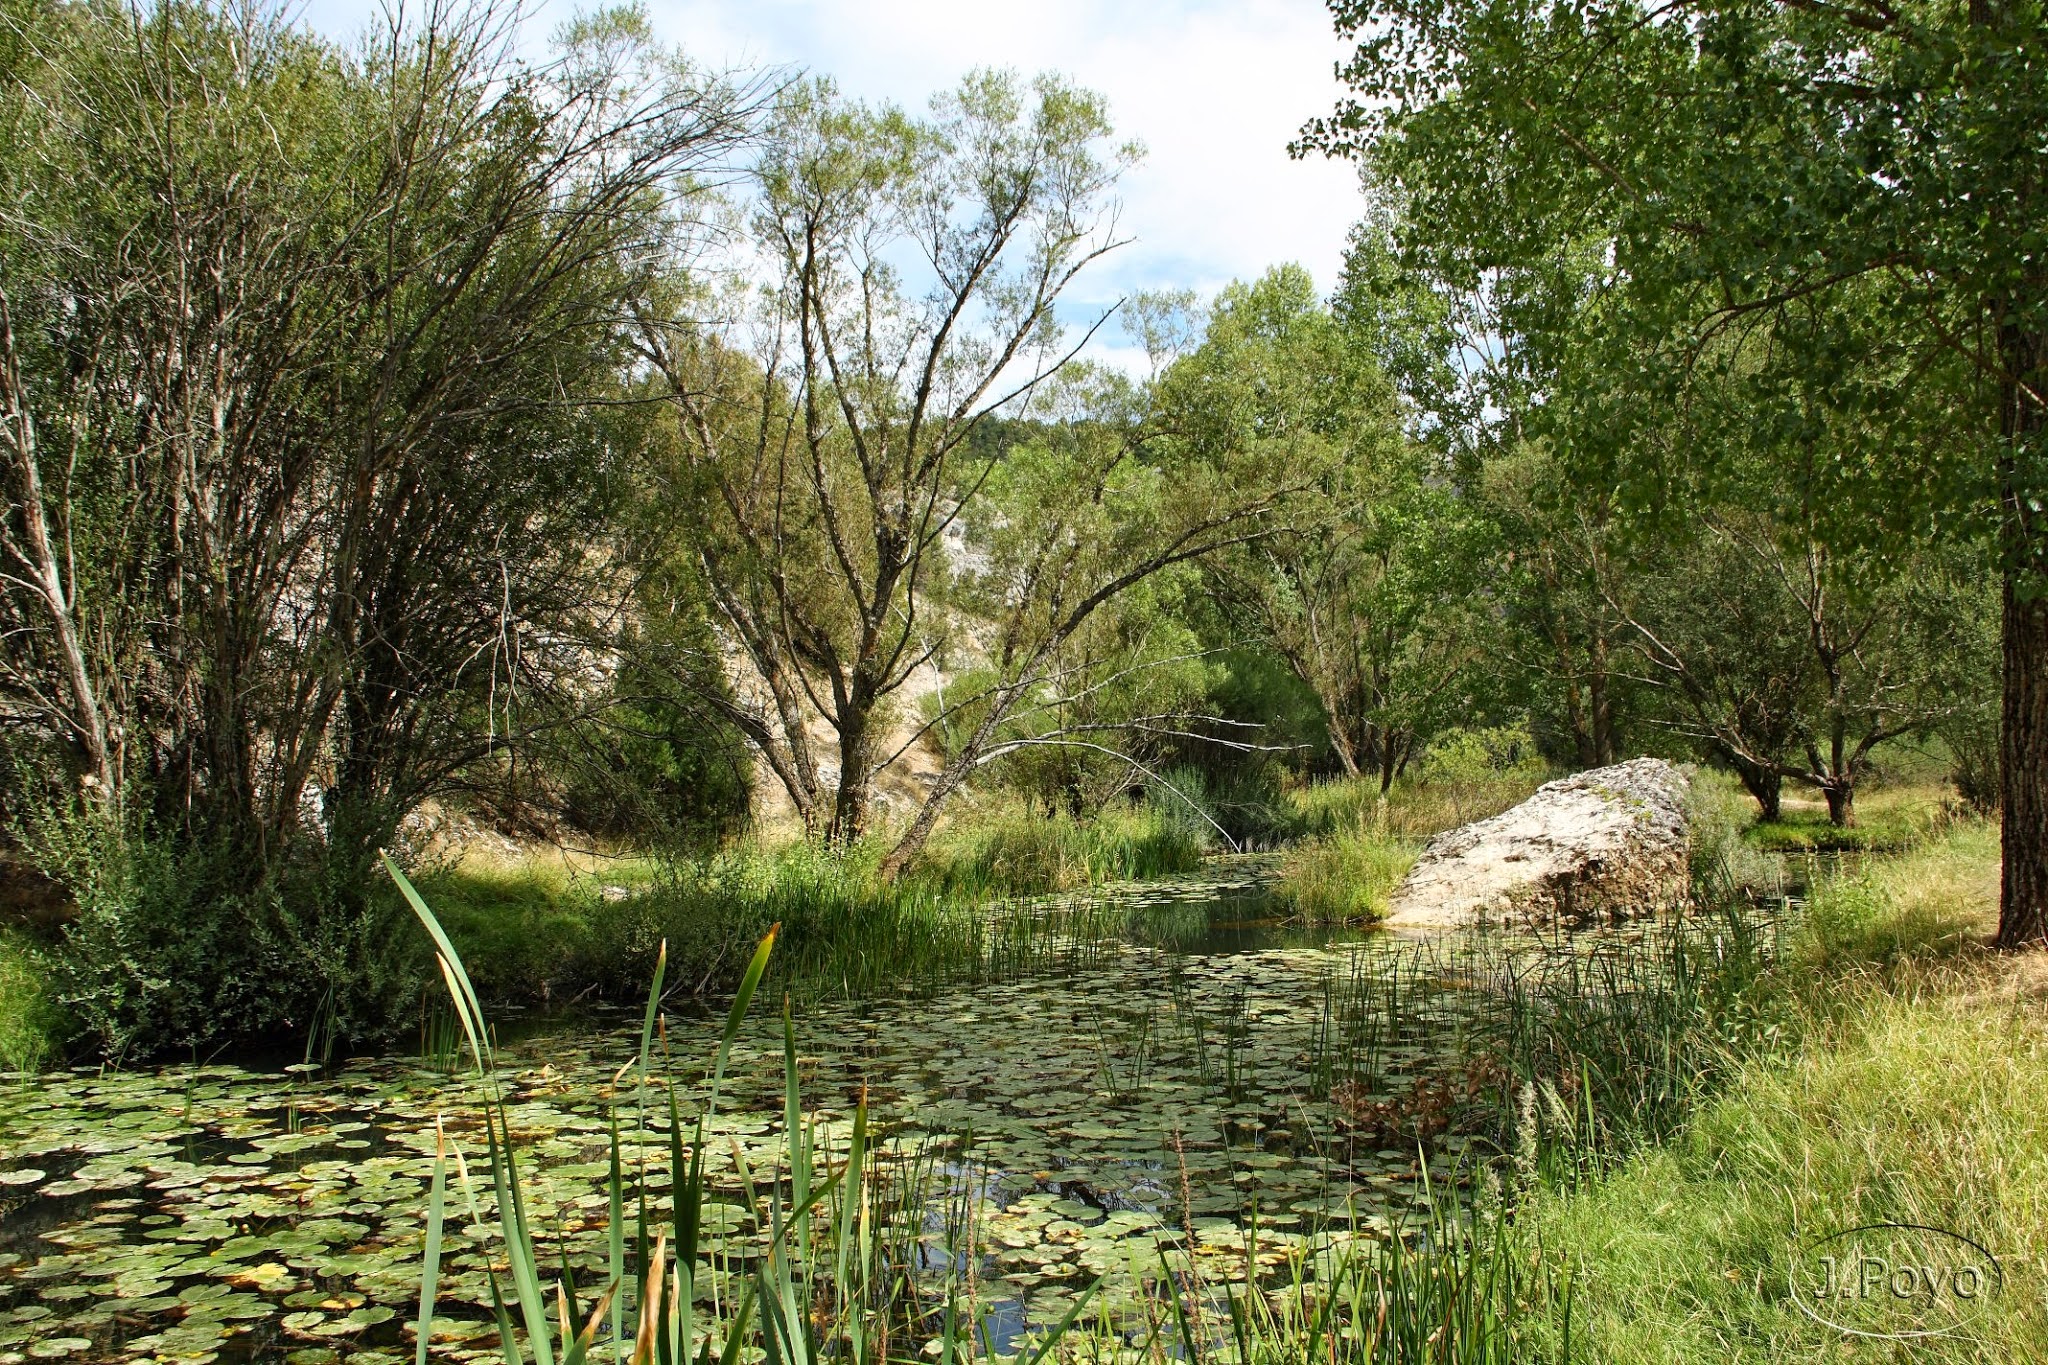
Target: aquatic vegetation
(1016, 852)
(1197, 1121)
(222, 1209)
(844, 932)
(1346, 875)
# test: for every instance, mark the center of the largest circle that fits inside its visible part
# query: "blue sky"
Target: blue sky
(1214, 90)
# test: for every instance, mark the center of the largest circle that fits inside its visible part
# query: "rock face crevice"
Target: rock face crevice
(1605, 844)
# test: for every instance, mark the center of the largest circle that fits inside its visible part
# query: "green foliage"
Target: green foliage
(1723, 865)
(1470, 765)
(1009, 852)
(170, 948)
(407, 464)
(1820, 835)
(534, 933)
(1363, 592)
(1779, 237)
(31, 1026)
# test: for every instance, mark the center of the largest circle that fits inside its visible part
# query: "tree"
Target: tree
(1843, 202)
(1791, 660)
(306, 357)
(1554, 566)
(1358, 592)
(824, 454)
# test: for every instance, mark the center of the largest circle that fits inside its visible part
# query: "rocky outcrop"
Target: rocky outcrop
(1608, 843)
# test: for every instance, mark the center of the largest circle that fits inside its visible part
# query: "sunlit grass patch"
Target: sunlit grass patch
(29, 1022)
(1923, 1111)
(1909, 1090)
(1008, 851)
(1414, 807)
(1887, 819)
(1349, 875)
(1938, 900)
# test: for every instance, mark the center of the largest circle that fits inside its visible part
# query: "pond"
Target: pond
(1213, 1079)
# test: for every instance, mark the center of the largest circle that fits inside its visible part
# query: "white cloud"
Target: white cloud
(1214, 91)
(1213, 88)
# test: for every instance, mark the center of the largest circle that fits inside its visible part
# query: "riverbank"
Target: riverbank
(1905, 1085)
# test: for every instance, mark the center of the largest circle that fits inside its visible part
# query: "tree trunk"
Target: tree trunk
(1840, 794)
(2023, 770)
(1602, 703)
(1765, 785)
(1575, 714)
(2023, 732)
(1340, 737)
(855, 797)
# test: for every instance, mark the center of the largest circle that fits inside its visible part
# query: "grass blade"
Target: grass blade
(430, 1265)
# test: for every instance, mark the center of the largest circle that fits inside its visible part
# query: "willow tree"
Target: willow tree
(896, 290)
(1843, 202)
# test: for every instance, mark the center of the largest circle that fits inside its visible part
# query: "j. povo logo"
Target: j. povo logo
(1894, 1280)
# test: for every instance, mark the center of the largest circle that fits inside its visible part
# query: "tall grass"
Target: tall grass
(1415, 807)
(1904, 912)
(1924, 1111)
(844, 931)
(1604, 1052)
(1349, 875)
(1007, 851)
(30, 1025)
(1902, 1082)
(1360, 843)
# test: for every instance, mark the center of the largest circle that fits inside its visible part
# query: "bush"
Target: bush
(1920, 906)
(1245, 800)
(1890, 832)
(171, 947)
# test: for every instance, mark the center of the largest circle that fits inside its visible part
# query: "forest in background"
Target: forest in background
(590, 443)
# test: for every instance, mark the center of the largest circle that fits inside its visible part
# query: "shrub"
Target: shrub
(173, 947)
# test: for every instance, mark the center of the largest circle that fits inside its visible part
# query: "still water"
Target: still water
(1206, 1071)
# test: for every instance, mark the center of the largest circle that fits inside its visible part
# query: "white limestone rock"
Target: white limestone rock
(1608, 843)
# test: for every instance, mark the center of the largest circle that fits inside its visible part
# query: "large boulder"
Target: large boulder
(1603, 844)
